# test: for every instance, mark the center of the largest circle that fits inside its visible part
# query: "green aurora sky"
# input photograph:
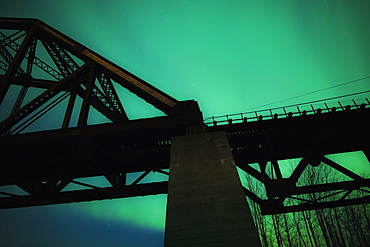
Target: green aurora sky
(230, 56)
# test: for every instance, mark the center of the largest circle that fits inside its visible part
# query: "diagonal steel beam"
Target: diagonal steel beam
(96, 101)
(142, 89)
(111, 94)
(27, 77)
(341, 169)
(85, 195)
(260, 176)
(56, 55)
(269, 207)
(17, 60)
(82, 121)
(37, 102)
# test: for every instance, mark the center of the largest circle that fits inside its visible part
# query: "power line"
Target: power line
(316, 91)
(286, 106)
(327, 99)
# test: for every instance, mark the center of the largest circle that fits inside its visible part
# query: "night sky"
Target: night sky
(230, 56)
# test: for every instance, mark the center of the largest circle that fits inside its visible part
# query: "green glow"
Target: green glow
(230, 56)
(148, 211)
(353, 161)
(188, 48)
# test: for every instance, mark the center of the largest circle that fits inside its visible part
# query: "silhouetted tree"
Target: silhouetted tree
(340, 226)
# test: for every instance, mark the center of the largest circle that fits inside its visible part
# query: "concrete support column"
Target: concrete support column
(206, 204)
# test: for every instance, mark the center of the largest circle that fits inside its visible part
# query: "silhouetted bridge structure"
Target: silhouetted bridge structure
(43, 163)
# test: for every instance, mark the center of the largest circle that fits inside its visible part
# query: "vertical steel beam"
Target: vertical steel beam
(82, 121)
(26, 78)
(14, 66)
(31, 56)
(69, 110)
(206, 203)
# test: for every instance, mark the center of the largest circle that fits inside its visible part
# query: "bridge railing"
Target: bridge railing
(303, 109)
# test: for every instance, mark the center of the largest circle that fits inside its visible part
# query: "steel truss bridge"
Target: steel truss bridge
(34, 55)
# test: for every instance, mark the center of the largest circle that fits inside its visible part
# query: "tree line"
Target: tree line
(339, 226)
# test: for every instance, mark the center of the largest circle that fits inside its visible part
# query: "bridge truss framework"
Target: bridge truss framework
(43, 163)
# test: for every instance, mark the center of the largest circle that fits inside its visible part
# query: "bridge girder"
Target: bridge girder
(43, 163)
(309, 138)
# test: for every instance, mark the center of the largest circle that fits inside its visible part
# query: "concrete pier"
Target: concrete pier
(206, 203)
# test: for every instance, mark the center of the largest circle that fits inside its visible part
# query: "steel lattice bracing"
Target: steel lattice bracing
(34, 55)
(51, 160)
(115, 150)
(43, 163)
(308, 138)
